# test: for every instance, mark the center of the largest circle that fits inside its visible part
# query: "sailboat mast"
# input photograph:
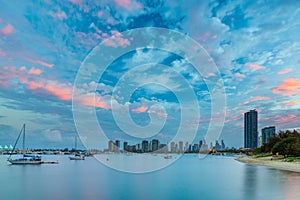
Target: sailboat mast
(75, 142)
(12, 151)
(24, 137)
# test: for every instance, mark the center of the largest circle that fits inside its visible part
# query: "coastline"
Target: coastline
(274, 163)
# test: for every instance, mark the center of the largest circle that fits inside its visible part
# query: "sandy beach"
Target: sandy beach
(274, 163)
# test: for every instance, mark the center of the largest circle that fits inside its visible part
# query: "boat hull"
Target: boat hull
(25, 162)
(76, 158)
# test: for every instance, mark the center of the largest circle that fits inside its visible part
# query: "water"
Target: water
(215, 177)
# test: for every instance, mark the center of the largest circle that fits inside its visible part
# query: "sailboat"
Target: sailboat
(26, 159)
(77, 156)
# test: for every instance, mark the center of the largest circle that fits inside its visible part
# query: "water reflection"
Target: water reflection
(250, 182)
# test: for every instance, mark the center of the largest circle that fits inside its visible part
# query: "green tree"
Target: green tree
(289, 146)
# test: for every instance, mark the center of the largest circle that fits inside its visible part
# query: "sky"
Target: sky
(255, 46)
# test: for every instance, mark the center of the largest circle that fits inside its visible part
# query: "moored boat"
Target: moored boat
(26, 159)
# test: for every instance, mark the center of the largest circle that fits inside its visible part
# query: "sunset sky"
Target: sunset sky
(255, 45)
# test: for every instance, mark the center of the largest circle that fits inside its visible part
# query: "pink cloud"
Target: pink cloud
(254, 66)
(100, 14)
(35, 71)
(116, 40)
(259, 98)
(60, 15)
(239, 75)
(288, 87)
(211, 75)
(286, 118)
(141, 109)
(161, 114)
(291, 103)
(2, 53)
(60, 91)
(285, 121)
(39, 62)
(123, 3)
(94, 101)
(23, 68)
(285, 71)
(9, 29)
(78, 2)
(256, 98)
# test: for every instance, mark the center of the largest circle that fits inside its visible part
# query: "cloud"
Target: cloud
(123, 3)
(291, 103)
(288, 87)
(34, 71)
(60, 15)
(239, 76)
(285, 71)
(7, 30)
(254, 66)
(116, 40)
(53, 135)
(78, 2)
(2, 53)
(141, 109)
(61, 91)
(256, 98)
(92, 100)
(259, 98)
(40, 62)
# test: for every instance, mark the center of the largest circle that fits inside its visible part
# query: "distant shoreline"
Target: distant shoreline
(270, 162)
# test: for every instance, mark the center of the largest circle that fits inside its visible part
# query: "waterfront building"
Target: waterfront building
(180, 147)
(195, 148)
(145, 146)
(259, 141)
(223, 146)
(186, 147)
(163, 148)
(125, 146)
(155, 145)
(200, 144)
(204, 148)
(250, 129)
(111, 146)
(217, 146)
(117, 147)
(173, 150)
(267, 132)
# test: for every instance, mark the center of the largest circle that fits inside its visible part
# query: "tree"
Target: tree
(289, 146)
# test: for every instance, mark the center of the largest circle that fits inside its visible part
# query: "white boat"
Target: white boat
(26, 159)
(77, 156)
(168, 157)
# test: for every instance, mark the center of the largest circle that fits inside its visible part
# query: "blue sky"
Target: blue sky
(254, 44)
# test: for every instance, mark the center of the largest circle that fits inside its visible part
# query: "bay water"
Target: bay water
(214, 177)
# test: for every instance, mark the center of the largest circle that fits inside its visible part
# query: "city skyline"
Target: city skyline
(154, 146)
(42, 46)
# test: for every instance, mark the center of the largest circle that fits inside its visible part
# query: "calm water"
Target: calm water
(188, 178)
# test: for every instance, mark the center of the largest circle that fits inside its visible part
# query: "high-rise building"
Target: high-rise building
(173, 147)
(180, 146)
(117, 147)
(223, 146)
(125, 146)
(267, 132)
(200, 144)
(111, 146)
(155, 145)
(145, 146)
(250, 129)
